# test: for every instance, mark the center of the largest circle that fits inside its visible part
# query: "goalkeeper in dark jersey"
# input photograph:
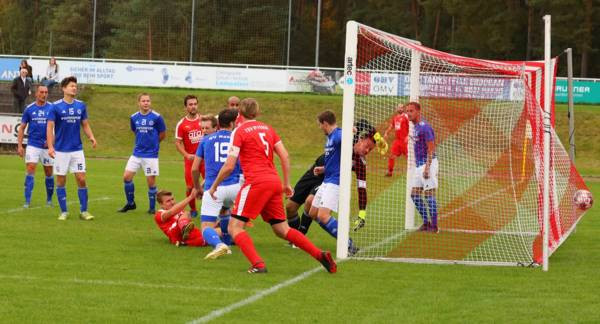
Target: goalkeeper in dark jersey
(304, 192)
(365, 139)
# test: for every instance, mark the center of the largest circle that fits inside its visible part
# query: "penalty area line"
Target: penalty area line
(20, 209)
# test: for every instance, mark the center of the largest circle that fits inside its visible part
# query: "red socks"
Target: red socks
(244, 242)
(301, 241)
(391, 163)
(193, 202)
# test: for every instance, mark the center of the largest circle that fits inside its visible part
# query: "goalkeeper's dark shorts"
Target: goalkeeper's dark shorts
(305, 186)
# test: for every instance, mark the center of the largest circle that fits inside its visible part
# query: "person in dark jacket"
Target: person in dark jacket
(21, 88)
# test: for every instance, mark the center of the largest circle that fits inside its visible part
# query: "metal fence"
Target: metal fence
(274, 32)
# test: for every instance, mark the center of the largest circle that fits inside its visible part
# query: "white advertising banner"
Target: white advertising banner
(164, 75)
(9, 125)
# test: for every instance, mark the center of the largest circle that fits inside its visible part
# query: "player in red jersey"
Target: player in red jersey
(399, 123)
(174, 221)
(188, 134)
(254, 143)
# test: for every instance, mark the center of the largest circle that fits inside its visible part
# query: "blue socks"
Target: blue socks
(418, 200)
(152, 197)
(61, 195)
(224, 223)
(83, 198)
(129, 192)
(331, 226)
(211, 237)
(432, 203)
(28, 187)
(49, 187)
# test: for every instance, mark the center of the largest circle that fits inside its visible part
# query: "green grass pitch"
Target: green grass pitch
(120, 268)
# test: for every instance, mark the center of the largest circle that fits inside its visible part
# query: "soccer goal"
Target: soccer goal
(492, 120)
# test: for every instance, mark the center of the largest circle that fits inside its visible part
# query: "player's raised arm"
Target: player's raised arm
(284, 159)
(178, 206)
(196, 173)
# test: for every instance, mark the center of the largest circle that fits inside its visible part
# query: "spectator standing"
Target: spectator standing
(21, 88)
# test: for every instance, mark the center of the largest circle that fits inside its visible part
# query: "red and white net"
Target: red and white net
(488, 122)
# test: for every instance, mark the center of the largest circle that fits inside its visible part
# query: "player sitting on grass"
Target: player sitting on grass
(175, 222)
(213, 151)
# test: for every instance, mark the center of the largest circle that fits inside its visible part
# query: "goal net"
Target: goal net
(487, 117)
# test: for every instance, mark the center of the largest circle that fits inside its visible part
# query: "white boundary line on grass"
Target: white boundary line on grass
(259, 295)
(20, 209)
(117, 283)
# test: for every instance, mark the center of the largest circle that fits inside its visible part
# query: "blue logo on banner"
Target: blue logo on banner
(9, 69)
(349, 80)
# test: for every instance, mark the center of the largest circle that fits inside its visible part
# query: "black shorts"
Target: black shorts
(304, 187)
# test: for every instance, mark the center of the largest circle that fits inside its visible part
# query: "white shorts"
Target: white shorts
(327, 196)
(225, 198)
(149, 165)
(73, 162)
(36, 154)
(418, 181)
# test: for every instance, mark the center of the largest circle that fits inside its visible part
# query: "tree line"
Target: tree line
(256, 32)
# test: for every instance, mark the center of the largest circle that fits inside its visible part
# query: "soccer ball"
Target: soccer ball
(583, 199)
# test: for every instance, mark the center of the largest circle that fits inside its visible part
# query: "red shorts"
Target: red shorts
(260, 198)
(195, 238)
(187, 172)
(399, 148)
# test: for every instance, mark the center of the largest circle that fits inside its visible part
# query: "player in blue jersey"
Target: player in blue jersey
(35, 117)
(65, 121)
(149, 129)
(327, 197)
(424, 180)
(213, 150)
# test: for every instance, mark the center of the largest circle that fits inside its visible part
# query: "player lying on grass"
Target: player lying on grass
(175, 222)
(254, 144)
(213, 151)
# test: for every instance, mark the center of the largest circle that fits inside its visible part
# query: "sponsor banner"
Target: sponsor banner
(320, 81)
(584, 91)
(9, 69)
(9, 126)
(384, 84)
(164, 75)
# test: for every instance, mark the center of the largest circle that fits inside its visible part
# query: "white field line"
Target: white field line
(20, 209)
(117, 283)
(259, 295)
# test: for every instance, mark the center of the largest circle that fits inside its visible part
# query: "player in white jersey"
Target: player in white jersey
(65, 120)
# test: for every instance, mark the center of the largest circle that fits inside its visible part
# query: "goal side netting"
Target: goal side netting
(487, 117)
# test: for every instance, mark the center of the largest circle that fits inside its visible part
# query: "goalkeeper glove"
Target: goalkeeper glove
(360, 222)
(382, 145)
